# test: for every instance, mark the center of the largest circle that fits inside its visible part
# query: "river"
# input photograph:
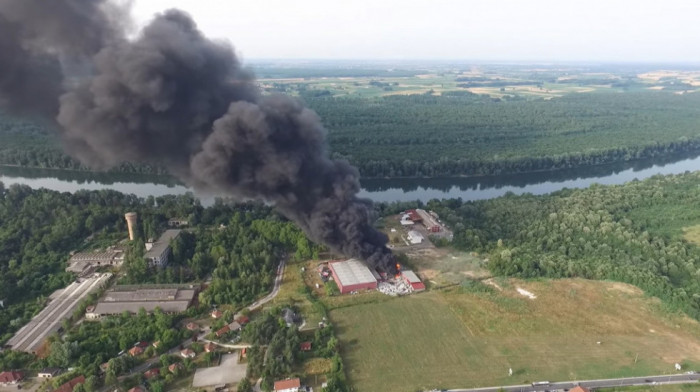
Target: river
(381, 190)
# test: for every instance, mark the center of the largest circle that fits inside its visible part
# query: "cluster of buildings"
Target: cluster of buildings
(157, 252)
(427, 219)
(353, 275)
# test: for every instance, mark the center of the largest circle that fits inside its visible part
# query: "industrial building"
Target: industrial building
(351, 275)
(415, 237)
(83, 262)
(429, 220)
(63, 303)
(412, 279)
(126, 299)
(158, 253)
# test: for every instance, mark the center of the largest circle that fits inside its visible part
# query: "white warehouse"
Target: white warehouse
(415, 237)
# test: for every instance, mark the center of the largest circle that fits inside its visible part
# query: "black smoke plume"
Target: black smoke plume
(173, 97)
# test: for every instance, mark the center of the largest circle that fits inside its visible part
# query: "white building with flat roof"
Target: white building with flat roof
(415, 237)
(158, 253)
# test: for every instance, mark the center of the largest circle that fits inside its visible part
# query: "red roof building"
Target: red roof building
(68, 387)
(579, 389)
(11, 377)
(142, 344)
(209, 347)
(411, 278)
(188, 353)
(217, 314)
(352, 275)
(135, 351)
(289, 385)
(222, 331)
(152, 373)
(173, 367)
(305, 346)
(137, 388)
(244, 352)
(243, 320)
(192, 327)
(414, 216)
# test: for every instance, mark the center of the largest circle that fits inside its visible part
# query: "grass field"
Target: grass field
(451, 339)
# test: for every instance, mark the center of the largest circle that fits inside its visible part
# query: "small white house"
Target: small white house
(415, 237)
(288, 385)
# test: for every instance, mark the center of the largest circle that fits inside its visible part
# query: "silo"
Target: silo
(131, 222)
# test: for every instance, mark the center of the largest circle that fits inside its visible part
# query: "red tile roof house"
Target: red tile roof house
(305, 346)
(135, 351)
(137, 388)
(174, 366)
(192, 327)
(243, 320)
(188, 353)
(11, 378)
(216, 314)
(223, 331)
(68, 387)
(152, 373)
(289, 385)
(209, 347)
(580, 389)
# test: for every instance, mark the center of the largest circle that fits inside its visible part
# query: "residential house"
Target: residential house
(217, 314)
(305, 346)
(135, 351)
(234, 326)
(150, 373)
(10, 378)
(174, 367)
(243, 320)
(223, 331)
(288, 385)
(192, 327)
(49, 372)
(68, 387)
(209, 347)
(138, 388)
(579, 389)
(188, 353)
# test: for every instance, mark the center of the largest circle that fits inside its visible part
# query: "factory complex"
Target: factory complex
(129, 299)
(354, 275)
(61, 306)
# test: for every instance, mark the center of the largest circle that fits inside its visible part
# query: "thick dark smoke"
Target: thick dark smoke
(173, 97)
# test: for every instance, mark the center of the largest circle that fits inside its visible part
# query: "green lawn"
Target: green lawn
(452, 339)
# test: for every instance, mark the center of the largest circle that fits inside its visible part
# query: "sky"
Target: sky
(496, 30)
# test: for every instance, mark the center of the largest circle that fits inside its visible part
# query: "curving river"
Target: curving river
(382, 190)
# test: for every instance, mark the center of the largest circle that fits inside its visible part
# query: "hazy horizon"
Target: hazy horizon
(537, 31)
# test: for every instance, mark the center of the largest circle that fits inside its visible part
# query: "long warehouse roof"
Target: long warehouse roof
(352, 272)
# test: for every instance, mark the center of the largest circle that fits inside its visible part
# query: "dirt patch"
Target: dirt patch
(625, 288)
(493, 283)
(526, 293)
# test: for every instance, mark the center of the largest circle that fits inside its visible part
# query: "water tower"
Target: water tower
(131, 222)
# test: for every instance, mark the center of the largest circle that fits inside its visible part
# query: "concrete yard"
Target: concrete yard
(49, 320)
(228, 372)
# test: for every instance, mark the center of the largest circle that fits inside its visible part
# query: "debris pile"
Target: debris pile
(395, 287)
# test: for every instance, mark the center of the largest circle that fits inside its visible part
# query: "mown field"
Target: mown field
(453, 338)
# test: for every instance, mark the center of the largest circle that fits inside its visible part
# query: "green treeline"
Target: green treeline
(427, 135)
(458, 133)
(630, 233)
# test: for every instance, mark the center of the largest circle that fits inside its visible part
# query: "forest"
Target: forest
(240, 245)
(633, 233)
(457, 133)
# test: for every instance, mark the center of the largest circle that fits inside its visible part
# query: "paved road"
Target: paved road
(275, 289)
(612, 382)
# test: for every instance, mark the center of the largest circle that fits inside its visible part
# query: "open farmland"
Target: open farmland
(393, 346)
